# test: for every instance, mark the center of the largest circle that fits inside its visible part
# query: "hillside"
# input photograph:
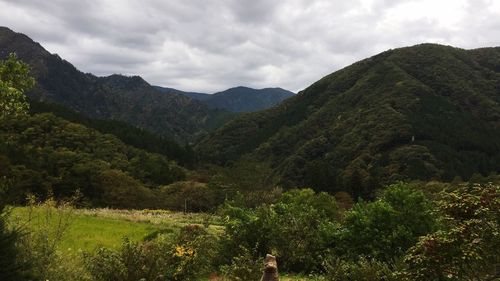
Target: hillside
(128, 99)
(45, 154)
(193, 95)
(238, 99)
(421, 112)
(125, 132)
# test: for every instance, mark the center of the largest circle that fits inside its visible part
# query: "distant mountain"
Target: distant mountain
(193, 95)
(117, 97)
(422, 112)
(238, 99)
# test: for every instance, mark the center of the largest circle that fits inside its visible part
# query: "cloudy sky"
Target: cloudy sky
(211, 45)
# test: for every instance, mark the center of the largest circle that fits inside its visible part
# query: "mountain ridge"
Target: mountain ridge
(422, 112)
(117, 97)
(238, 99)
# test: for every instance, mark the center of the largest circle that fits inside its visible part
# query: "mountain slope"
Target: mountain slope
(243, 99)
(43, 153)
(193, 95)
(128, 99)
(128, 134)
(238, 99)
(421, 112)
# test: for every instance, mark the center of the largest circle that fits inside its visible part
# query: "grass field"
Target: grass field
(90, 228)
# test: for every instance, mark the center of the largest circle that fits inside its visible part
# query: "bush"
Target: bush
(11, 266)
(361, 270)
(386, 228)
(187, 257)
(297, 229)
(45, 227)
(243, 267)
(469, 247)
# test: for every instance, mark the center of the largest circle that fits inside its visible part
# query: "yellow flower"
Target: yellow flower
(179, 251)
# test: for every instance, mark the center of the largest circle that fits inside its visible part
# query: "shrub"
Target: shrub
(361, 270)
(386, 228)
(469, 247)
(186, 257)
(243, 267)
(11, 266)
(297, 229)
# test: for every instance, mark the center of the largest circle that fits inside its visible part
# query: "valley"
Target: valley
(386, 169)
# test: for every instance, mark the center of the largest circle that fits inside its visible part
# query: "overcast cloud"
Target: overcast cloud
(211, 45)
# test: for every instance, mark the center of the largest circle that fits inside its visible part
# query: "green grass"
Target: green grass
(89, 229)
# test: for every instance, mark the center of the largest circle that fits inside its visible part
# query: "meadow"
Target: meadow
(89, 229)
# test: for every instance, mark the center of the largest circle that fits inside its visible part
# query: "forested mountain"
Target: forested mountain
(44, 153)
(128, 99)
(422, 112)
(193, 95)
(125, 132)
(239, 99)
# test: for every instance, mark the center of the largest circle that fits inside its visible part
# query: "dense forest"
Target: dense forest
(128, 99)
(238, 99)
(423, 112)
(384, 170)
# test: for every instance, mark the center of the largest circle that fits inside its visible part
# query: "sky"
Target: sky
(212, 45)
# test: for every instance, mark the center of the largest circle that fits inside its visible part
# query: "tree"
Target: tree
(386, 228)
(469, 247)
(15, 80)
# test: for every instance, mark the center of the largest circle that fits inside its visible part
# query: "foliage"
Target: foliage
(187, 257)
(418, 113)
(44, 233)
(297, 229)
(15, 80)
(469, 249)
(128, 134)
(128, 99)
(248, 182)
(43, 152)
(243, 267)
(11, 266)
(386, 228)
(361, 270)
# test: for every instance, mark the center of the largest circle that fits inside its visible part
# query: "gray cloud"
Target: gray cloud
(210, 45)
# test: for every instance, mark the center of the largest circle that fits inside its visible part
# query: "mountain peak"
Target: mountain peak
(423, 112)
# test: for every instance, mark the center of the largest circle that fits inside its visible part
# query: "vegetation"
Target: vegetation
(424, 230)
(14, 81)
(117, 97)
(125, 132)
(43, 153)
(238, 99)
(423, 112)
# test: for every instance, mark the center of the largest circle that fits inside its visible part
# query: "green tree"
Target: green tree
(386, 228)
(469, 248)
(15, 80)
(297, 228)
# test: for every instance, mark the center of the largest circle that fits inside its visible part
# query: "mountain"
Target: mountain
(193, 95)
(422, 112)
(117, 97)
(238, 99)
(243, 99)
(43, 154)
(128, 134)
